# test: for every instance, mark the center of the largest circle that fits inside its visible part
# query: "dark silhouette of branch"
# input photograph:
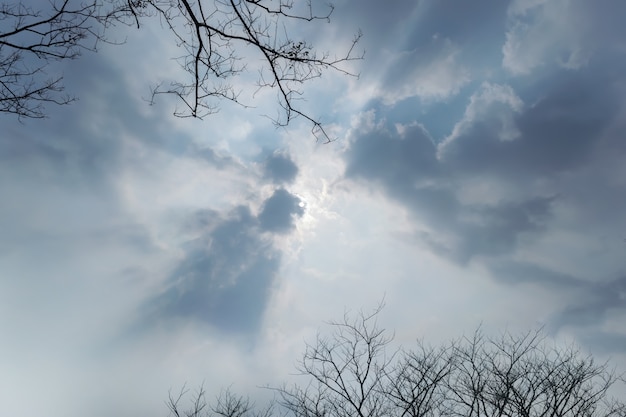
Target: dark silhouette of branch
(226, 404)
(216, 38)
(522, 376)
(416, 384)
(350, 373)
(198, 403)
(214, 35)
(29, 40)
(346, 372)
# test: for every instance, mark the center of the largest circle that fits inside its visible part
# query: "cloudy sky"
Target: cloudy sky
(478, 177)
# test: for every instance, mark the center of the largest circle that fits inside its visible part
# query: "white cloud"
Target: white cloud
(494, 103)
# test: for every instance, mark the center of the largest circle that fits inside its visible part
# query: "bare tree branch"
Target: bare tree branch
(346, 371)
(29, 40)
(198, 403)
(214, 36)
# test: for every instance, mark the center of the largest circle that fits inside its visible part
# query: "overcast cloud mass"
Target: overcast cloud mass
(479, 177)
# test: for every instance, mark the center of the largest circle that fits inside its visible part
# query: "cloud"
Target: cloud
(558, 34)
(228, 271)
(407, 168)
(526, 184)
(517, 272)
(128, 243)
(279, 212)
(494, 104)
(412, 153)
(431, 72)
(427, 51)
(542, 31)
(225, 277)
(594, 303)
(279, 168)
(586, 303)
(508, 175)
(210, 156)
(137, 245)
(500, 136)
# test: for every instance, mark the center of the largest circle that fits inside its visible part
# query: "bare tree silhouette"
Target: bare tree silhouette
(353, 372)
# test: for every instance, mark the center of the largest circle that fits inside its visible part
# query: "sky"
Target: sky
(477, 179)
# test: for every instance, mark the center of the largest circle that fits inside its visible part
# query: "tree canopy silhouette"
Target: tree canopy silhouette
(218, 38)
(353, 372)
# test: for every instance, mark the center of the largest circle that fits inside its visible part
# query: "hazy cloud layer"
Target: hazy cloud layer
(478, 176)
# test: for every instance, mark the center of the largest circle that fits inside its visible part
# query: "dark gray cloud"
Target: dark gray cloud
(226, 275)
(210, 156)
(407, 168)
(604, 342)
(374, 14)
(530, 160)
(279, 212)
(280, 169)
(407, 24)
(594, 304)
(63, 181)
(427, 51)
(413, 157)
(457, 21)
(557, 133)
(529, 151)
(585, 303)
(517, 272)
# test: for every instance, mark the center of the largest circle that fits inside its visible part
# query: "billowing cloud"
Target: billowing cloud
(506, 181)
(408, 169)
